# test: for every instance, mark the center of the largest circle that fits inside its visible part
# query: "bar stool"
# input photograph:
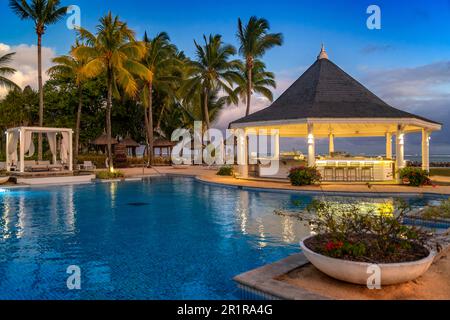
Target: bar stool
(352, 171)
(328, 173)
(339, 172)
(367, 173)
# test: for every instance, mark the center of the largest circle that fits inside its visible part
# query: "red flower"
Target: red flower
(331, 245)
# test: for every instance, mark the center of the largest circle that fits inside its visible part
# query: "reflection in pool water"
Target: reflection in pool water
(186, 242)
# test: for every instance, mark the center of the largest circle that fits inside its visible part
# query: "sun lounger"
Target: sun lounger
(87, 165)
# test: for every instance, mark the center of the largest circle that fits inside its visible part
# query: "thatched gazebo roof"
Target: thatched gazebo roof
(103, 140)
(129, 142)
(159, 142)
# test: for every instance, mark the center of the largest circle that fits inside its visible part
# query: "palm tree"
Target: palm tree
(159, 59)
(211, 71)
(5, 70)
(71, 67)
(254, 42)
(114, 52)
(262, 82)
(43, 13)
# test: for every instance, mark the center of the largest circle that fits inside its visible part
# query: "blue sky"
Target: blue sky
(414, 40)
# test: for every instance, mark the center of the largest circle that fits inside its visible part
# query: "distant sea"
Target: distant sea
(433, 158)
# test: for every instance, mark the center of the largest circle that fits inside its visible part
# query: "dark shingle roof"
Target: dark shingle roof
(326, 91)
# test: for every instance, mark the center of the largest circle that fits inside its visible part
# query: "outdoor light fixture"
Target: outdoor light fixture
(310, 138)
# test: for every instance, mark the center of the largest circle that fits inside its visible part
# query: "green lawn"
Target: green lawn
(440, 172)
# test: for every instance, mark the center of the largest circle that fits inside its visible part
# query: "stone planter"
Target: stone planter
(357, 272)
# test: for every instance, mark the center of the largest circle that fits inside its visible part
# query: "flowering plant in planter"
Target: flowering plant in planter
(365, 234)
(301, 176)
(414, 176)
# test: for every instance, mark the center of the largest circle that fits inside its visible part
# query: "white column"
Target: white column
(400, 148)
(425, 150)
(276, 146)
(311, 146)
(70, 151)
(22, 150)
(242, 153)
(331, 143)
(8, 165)
(388, 145)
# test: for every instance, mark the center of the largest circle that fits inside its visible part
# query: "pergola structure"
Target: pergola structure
(22, 137)
(326, 102)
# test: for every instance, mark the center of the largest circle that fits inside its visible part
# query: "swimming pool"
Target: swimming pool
(160, 238)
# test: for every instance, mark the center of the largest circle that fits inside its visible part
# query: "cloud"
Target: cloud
(423, 90)
(369, 49)
(25, 62)
(233, 112)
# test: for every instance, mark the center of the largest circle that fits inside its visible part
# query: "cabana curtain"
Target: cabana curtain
(29, 145)
(13, 139)
(65, 147)
(51, 136)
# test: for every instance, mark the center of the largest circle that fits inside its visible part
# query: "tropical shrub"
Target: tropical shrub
(437, 212)
(301, 176)
(375, 235)
(225, 171)
(108, 175)
(414, 176)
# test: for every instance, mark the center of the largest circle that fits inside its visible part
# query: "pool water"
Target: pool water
(162, 238)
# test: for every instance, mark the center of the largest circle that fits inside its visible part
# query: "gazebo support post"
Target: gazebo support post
(70, 151)
(388, 145)
(311, 146)
(242, 151)
(22, 150)
(331, 144)
(276, 147)
(8, 164)
(425, 149)
(399, 149)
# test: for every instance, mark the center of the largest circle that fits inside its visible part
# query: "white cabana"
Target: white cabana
(23, 137)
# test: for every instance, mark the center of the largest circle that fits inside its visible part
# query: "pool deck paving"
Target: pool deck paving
(207, 175)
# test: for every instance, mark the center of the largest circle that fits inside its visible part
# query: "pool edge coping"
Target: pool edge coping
(201, 179)
(263, 280)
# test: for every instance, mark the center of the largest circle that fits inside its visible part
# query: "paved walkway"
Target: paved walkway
(209, 175)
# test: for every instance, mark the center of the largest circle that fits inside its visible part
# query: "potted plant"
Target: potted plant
(414, 177)
(349, 240)
(302, 176)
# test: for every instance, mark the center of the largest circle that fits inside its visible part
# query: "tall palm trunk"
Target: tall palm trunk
(150, 123)
(205, 108)
(78, 123)
(146, 134)
(161, 113)
(249, 84)
(41, 95)
(108, 119)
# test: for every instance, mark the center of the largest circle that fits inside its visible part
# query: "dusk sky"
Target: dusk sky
(406, 63)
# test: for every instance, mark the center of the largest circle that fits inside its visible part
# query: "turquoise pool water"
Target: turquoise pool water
(164, 238)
